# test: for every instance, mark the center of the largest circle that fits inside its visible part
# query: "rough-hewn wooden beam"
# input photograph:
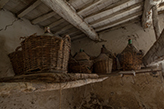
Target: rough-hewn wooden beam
(2, 3)
(110, 9)
(43, 17)
(156, 52)
(65, 11)
(45, 82)
(118, 13)
(90, 6)
(147, 13)
(30, 8)
(119, 21)
(155, 21)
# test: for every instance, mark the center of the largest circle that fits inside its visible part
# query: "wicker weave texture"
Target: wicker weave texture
(17, 62)
(46, 53)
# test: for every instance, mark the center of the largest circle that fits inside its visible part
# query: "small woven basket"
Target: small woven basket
(16, 59)
(45, 53)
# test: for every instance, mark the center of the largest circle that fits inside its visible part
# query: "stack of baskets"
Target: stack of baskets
(42, 53)
(131, 58)
(81, 63)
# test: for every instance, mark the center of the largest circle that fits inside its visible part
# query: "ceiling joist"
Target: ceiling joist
(30, 8)
(56, 23)
(3, 3)
(108, 10)
(118, 13)
(119, 21)
(66, 12)
(64, 29)
(43, 17)
(90, 6)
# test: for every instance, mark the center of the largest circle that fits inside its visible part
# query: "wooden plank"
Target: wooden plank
(156, 52)
(45, 82)
(108, 10)
(118, 13)
(56, 23)
(30, 8)
(155, 21)
(90, 6)
(65, 11)
(119, 21)
(3, 3)
(64, 29)
(43, 17)
(146, 70)
(31, 87)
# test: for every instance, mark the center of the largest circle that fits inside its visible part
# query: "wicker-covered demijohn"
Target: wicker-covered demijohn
(131, 58)
(46, 53)
(103, 64)
(16, 59)
(81, 63)
(110, 55)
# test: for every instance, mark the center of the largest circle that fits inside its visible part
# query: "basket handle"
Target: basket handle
(18, 48)
(28, 36)
(68, 38)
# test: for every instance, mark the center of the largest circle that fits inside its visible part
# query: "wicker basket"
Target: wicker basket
(103, 64)
(46, 53)
(17, 62)
(131, 58)
(81, 63)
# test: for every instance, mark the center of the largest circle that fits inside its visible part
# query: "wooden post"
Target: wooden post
(155, 21)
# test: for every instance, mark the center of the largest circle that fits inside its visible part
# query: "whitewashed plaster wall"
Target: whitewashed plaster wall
(11, 29)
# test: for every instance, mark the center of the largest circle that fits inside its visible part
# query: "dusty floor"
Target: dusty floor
(143, 91)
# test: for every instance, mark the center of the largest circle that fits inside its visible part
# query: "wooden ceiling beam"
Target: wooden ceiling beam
(147, 13)
(56, 23)
(3, 3)
(156, 52)
(78, 37)
(90, 6)
(64, 29)
(30, 8)
(156, 21)
(107, 10)
(119, 21)
(65, 11)
(118, 13)
(43, 17)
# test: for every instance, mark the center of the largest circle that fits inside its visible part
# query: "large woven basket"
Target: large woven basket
(103, 64)
(17, 62)
(131, 58)
(45, 53)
